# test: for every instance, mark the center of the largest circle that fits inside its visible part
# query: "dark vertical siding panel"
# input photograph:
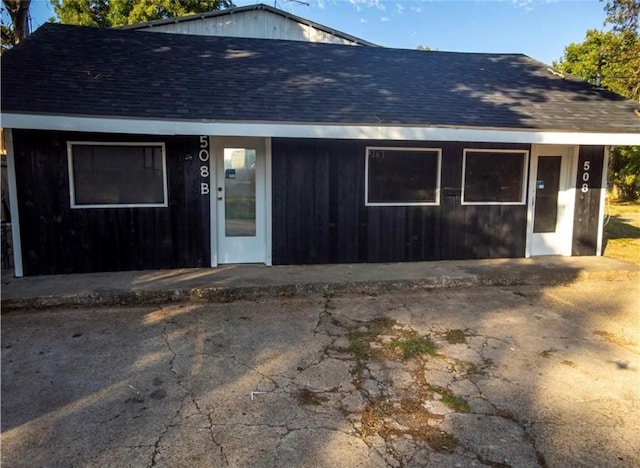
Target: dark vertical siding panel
(587, 208)
(329, 191)
(451, 233)
(58, 239)
(349, 198)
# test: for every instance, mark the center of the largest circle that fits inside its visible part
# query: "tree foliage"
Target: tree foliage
(114, 13)
(18, 11)
(623, 15)
(611, 59)
(607, 59)
(624, 171)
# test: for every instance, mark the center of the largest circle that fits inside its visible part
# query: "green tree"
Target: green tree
(611, 59)
(18, 11)
(624, 15)
(114, 13)
(607, 59)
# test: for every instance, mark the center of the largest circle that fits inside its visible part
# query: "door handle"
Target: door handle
(220, 193)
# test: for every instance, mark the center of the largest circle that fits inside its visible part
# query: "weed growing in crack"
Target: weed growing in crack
(360, 340)
(408, 418)
(308, 397)
(547, 353)
(456, 336)
(440, 441)
(359, 347)
(373, 416)
(452, 401)
(413, 345)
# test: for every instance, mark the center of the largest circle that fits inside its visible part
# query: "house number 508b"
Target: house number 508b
(203, 156)
(585, 176)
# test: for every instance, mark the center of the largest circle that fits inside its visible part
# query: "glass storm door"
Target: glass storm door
(240, 200)
(551, 227)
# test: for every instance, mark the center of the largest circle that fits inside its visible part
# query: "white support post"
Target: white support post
(603, 199)
(13, 205)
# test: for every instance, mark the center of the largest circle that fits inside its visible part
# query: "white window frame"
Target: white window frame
(525, 165)
(402, 148)
(72, 196)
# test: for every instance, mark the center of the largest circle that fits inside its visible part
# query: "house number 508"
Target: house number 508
(203, 156)
(585, 176)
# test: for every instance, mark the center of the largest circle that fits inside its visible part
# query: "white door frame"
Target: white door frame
(263, 195)
(562, 239)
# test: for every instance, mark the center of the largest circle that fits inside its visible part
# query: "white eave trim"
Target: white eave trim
(296, 130)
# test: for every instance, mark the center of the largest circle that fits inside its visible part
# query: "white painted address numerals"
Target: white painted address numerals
(203, 156)
(585, 176)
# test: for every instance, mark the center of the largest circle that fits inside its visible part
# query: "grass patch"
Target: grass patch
(413, 345)
(622, 232)
(361, 338)
(455, 336)
(360, 348)
(452, 401)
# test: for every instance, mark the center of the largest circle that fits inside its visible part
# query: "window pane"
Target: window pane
(493, 177)
(401, 176)
(547, 185)
(240, 189)
(117, 175)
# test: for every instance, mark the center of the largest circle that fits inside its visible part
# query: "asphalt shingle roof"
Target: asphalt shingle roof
(70, 70)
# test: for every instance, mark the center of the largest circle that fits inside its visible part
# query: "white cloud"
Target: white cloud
(399, 7)
(320, 4)
(367, 4)
(384, 19)
(362, 20)
(529, 5)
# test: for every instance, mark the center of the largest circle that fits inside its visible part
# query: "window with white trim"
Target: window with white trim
(113, 175)
(402, 176)
(494, 177)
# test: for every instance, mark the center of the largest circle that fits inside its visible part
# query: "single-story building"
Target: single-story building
(129, 150)
(258, 21)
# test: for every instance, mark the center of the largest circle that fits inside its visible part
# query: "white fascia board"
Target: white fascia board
(296, 130)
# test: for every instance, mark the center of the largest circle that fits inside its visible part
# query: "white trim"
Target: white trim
(16, 240)
(268, 203)
(525, 163)
(438, 151)
(603, 196)
(572, 176)
(298, 130)
(242, 249)
(562, 238)
(72, 191)
(213, 207)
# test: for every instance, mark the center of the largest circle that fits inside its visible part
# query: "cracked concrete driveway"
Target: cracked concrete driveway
(518, 376)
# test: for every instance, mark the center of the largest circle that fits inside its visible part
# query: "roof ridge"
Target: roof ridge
(251, 7)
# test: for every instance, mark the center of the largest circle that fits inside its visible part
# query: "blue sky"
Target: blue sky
(538, 28)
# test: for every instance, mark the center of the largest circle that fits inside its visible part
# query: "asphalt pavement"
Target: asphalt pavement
(517, 375)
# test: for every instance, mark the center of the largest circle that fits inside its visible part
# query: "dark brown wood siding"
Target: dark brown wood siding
(319, 212)
(58, 239)
(587, 208)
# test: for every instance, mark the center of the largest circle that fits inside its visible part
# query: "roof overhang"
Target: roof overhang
(313, 130)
